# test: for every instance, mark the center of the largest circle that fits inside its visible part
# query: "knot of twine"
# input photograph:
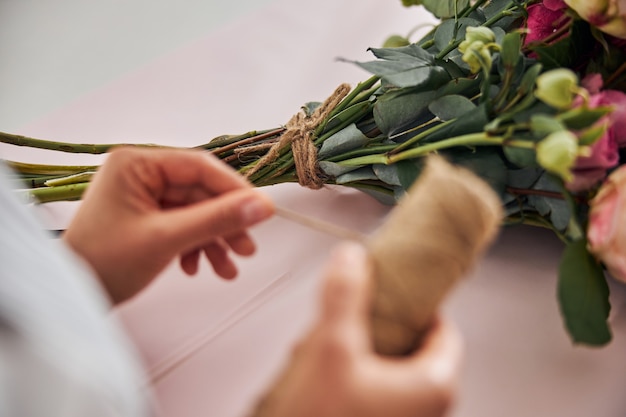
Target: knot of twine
(299, 134)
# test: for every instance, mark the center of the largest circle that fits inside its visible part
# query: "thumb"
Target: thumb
(346, 293)
(194, 225)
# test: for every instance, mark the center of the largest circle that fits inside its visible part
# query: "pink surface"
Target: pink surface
(254, 73)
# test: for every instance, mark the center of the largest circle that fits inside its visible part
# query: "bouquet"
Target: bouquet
(527, 94)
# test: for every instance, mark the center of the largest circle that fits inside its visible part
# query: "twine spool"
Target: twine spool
(429, 242)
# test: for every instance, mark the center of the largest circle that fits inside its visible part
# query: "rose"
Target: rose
(590, 170)
(606, 233)
(617, 117)
(544, 19)
(607, 15)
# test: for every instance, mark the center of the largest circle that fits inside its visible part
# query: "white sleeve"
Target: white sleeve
(61, 352)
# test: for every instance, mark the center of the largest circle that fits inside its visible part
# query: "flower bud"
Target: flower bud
(557, 88)
(477, 55)
(479, 33)
(607, 15)
(557, 153)
(396, 41)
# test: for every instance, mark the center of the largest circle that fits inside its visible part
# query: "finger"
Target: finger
(217, 254)
(189, 262)
(241, 243)
(346, 293)
(441, 351)
(226, 215)
(185, 167)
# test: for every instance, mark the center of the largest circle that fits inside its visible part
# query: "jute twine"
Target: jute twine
(299, 134)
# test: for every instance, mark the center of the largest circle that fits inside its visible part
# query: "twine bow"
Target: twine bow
(299, 134)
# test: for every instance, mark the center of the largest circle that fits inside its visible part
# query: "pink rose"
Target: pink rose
(617, 118)
(589, 171)
(544, 19)
(606, 232)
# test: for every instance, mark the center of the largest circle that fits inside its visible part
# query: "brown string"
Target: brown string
(299, 135)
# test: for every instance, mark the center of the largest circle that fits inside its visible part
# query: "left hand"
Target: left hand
(147, 206)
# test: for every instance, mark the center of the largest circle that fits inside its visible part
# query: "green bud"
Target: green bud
(557, 88)
(478, 56)
(480, 33)
(557, 153)
(396, 41)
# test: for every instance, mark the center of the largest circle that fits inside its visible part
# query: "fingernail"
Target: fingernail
(256, 209)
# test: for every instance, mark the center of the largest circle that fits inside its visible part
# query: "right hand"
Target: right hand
(334, 372)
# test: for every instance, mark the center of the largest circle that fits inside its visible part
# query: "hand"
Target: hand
(335, 373)
(147, 206)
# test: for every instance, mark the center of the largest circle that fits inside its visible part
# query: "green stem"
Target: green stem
(41, 169)
(60, 193)
(19, 140)
(410, 142)
(473, 139)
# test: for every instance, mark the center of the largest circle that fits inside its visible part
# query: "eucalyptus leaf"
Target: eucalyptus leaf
(398, 111)
(310, 107)
(450, 31)
(557, 209)
(472, 122)
(451, 107)
(445, 8)
(387, 174)
(409, 171)
(407, 66)
(345, 140)
(520, 156)
(584, 296)
(485, 162)
(382, 197)
(333, 169)
(360, 174)
(523, 178)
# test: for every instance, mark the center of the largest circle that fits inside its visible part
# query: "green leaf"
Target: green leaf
(593, 134)
(396, 111)
(408, 3)
(409, 171)
(450, 31)
(557, 210)
(407, 66)
(333, 169)
(450, 107)
(521, 157)
(345, 140)
(580, 118)
(584, 296)
(472, 122)
(364, 173)
(511, 47)
(387, 174)
(484, 162)
(445, 8)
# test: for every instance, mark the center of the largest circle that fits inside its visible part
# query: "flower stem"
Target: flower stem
(473, 139)
(19, 140)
